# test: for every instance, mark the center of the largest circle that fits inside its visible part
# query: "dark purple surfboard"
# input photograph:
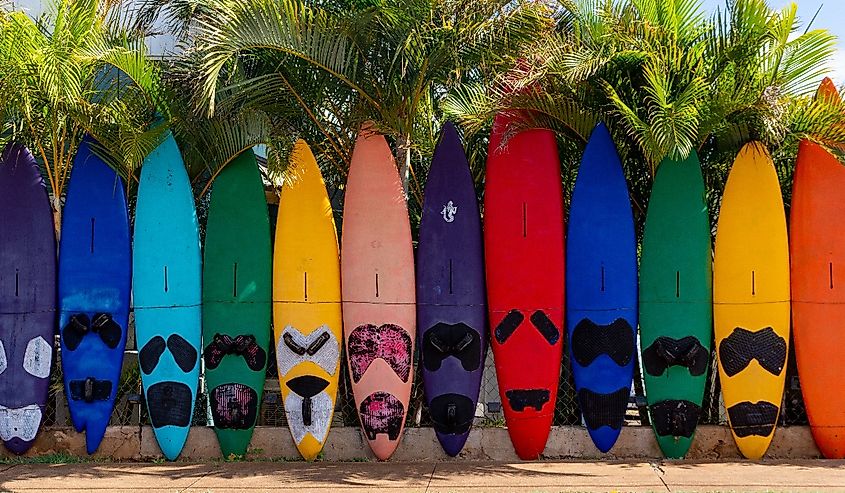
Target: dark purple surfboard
(27, 297)
(451, 306)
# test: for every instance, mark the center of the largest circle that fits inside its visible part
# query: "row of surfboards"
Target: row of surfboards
(510, 276)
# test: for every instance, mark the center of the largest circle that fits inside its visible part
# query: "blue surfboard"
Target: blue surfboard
(166, 289)
(94, 283)
(601, 290)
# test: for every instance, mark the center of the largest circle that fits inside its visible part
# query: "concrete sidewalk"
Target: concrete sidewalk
(475, 477)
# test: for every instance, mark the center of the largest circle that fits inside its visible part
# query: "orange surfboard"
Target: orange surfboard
(378, 293)
(817, 249)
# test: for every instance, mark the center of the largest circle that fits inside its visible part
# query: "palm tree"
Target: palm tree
(343, 62)
(70, 72)
(668, 79)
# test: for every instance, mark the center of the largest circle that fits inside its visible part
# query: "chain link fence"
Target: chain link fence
(130, 409)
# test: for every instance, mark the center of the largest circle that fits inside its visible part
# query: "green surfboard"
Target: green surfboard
(676, 314)
(236, 300)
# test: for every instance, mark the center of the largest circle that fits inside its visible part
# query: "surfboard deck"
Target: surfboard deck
(95, 278)
(451, 306)
(307, 317)
(818, 299)
(27, 297)
(601, 279)
(676, 310)
(236, 302)
(378, 292)
(524, 259)
(167, 294)
(751, 299)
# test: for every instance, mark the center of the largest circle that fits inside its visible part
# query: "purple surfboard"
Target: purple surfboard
(451, 307)
(27, 297)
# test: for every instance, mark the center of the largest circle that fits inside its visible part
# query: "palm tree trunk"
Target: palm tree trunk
(57, 216)
(403, 144)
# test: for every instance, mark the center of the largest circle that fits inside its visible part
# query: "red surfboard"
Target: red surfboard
(524, 257)
(817, 227)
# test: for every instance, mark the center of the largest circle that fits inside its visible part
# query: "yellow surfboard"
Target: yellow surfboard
(306, 303)
(751, 299)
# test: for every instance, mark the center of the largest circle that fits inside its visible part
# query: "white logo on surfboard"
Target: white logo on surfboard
(449, 211)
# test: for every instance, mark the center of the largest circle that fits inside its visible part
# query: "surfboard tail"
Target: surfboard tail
(95, 430)
(674, 447)
(452, 444)
(171, 440)
(18, 446)
(233, 442)
(605, 438)
(529, 435)
(828, 440)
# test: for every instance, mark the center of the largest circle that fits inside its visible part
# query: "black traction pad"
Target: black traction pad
(738, 349)
(675, 418)
(590, 340)
(388, 342)
(317, 343)
(452, 414)
(77, 326)
(665, 352)
(311, 349)
(307, 386)
(545, 326)
(169, 403)
(508, 325)
(243, 345)
(382, 413)
(151, 353)
(183, 353)
(110, 331)
(90, 390)
(80, 325)
(749, 418)
(520, 399)
(457, 340)
(604, 409)
(234, 406)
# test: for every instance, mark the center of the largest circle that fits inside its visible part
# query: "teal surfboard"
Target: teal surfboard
(166, 290)
(676, 315)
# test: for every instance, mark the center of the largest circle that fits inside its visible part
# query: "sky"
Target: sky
(832, 17)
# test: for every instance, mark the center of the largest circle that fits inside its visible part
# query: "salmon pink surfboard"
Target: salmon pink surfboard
(817, 227)
(524, 258)
(378, 293)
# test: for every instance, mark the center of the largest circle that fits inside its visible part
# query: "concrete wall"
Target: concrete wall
(419, 444)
